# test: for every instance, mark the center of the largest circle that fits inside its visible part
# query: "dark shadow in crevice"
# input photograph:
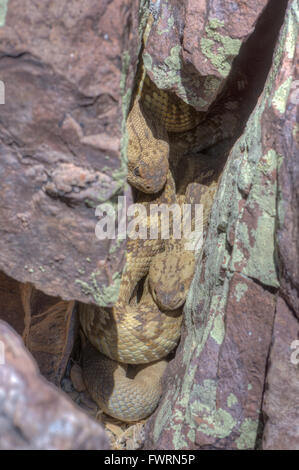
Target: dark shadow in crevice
(252, 65)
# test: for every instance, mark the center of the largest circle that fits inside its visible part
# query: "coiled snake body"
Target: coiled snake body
(143, 332)
(131, 332)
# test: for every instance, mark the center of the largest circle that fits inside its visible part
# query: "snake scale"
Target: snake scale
(123, 360)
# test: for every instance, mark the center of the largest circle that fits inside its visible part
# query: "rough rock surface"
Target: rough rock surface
(48, 325)
(68, 74)
(12, 310)
(33, 414)
(64, 68)
(235, 329)
(281, 404)
(193, 43)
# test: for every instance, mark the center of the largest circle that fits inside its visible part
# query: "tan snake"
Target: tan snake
(143, 332)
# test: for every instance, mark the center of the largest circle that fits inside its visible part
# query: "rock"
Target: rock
(60, 141)
(281, 124)
(34, 414)
(280, 405)
(77, 378)
(66, 72)
(52, 327)
(48, 325)
(192, 45)
(215, 385)
(12, 307)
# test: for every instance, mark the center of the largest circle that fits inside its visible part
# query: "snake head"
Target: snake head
(149, 172)
(148, 151)
(170, 277)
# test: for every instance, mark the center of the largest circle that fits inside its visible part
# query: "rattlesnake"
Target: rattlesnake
(139, 333)
(144, 332)
(136, 333)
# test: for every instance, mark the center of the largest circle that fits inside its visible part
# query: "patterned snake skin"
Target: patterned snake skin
(142, 332)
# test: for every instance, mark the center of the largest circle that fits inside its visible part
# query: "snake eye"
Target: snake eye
(136, 171)
(182, 287)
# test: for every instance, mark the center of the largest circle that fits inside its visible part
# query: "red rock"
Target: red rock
(280, 405)
(34, 414)
(193, 44)
(60, 130)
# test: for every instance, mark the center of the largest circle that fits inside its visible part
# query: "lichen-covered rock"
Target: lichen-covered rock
(280, 404)
(192, 45)
(33, 414)
(65, 69)
(215, 384)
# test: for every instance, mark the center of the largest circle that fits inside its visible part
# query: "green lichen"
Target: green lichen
(240, 290)
(90, 203)
(168, 75)
(120, 174)
(231, 400)
(104, 295)
(170, 23)
(115, 246)
(173, 61)
(280, 98)
(166, 415)
(219, 49)
(213, 421)
(254, 254)
(143, 17)
(191, 435)
(214, 23)
(268, 162)
(105, 168)
(178, 439)
(107, 295)
(218, 331)
(249, 387)
(163, 415)
(3, 12)
(261, 264)
(147, 61)
(247, 438)
(257, 261)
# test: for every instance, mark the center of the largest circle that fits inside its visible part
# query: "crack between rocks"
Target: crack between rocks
(271, 289)
(263, 418)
